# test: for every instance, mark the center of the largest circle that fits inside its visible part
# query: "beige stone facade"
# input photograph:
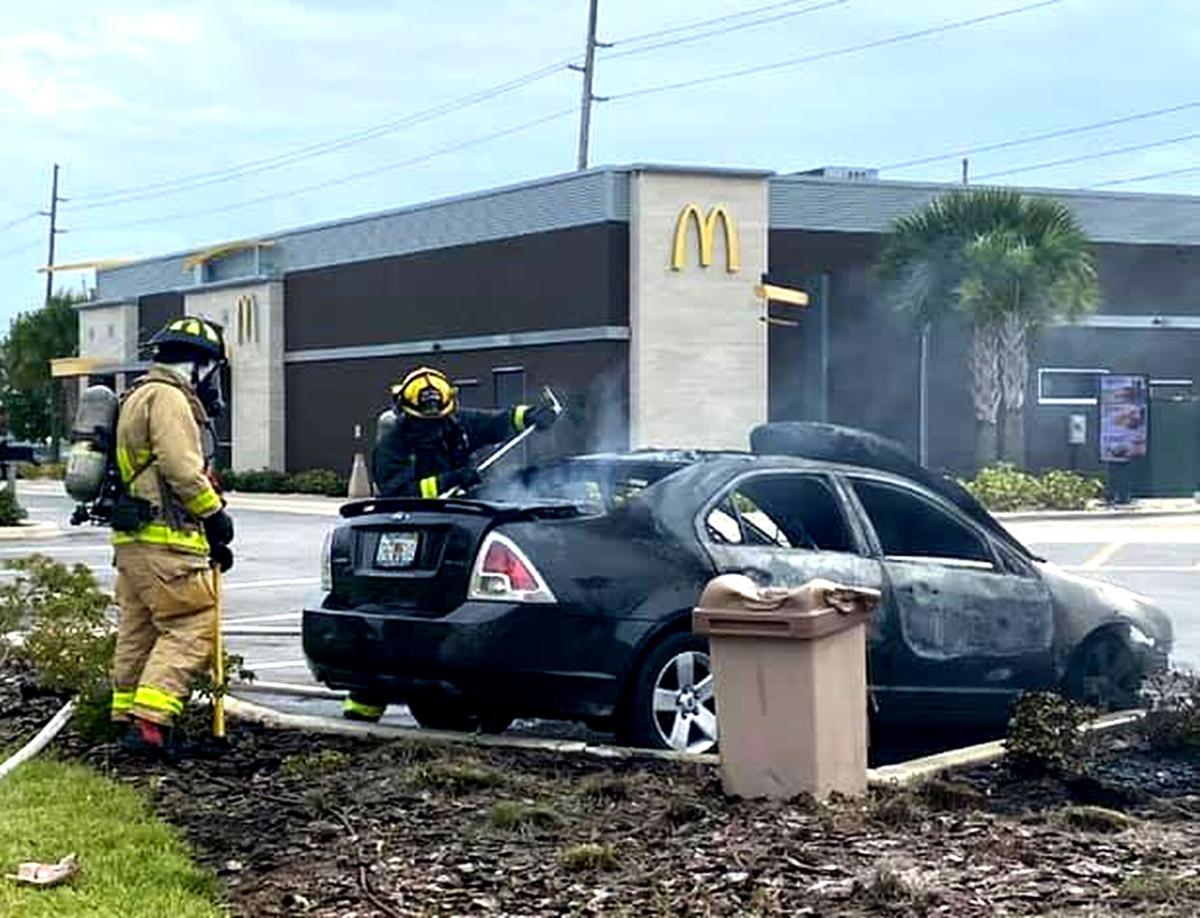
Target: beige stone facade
(698, 336)
(252, 316)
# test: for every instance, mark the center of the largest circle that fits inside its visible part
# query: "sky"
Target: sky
(179, 124)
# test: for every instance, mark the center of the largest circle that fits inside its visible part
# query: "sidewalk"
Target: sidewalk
(1146, 507)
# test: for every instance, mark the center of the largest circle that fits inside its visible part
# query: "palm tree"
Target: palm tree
(1006, 263)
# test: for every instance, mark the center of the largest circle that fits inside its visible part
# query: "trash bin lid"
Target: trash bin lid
(733, 605)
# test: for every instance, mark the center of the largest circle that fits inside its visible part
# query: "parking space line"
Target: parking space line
(1098, 560)
(257, 619)
(1137, 569)
(277, 664)
(263, 584)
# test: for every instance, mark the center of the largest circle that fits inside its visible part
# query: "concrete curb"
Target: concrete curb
(914, 771)
(269, 717)
(901, 774)
(285, 503)
(1049, 516)
(25, 531)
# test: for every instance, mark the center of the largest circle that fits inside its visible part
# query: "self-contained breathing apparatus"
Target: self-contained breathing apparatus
(93, 476)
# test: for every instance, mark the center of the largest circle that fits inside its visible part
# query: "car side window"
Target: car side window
(909, 526)
(781, 511)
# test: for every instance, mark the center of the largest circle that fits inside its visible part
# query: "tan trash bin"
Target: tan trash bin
(791, 685)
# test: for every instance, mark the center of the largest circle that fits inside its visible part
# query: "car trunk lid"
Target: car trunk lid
(416, 555)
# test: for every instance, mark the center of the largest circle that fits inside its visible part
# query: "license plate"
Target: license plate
(397, 549)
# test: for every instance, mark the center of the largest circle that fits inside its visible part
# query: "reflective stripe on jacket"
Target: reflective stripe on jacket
(161, 460)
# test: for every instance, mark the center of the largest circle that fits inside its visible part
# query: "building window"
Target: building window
(111, 331)
(508, 386)
(92, 333)
(468, 392)
(1069, 385)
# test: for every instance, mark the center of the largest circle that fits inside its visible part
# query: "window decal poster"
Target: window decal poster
(1124, 410)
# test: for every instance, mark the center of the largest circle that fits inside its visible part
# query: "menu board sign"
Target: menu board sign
(1124, 416)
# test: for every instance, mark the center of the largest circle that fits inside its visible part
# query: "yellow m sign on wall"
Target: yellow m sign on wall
(706, 228)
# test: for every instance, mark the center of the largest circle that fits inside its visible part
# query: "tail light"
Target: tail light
(327, 562)
(503, 573)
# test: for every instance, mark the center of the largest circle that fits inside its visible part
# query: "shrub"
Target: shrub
(318, 481)
(1172, 703)
(1004, 488)
(1045, 736)
(69, 642)
(268, 481)
(1061, 490)
(11, 512)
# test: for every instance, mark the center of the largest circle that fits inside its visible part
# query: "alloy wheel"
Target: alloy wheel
(684, 705)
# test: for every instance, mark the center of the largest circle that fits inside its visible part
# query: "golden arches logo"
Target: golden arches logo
(706, 228)
(247, 319)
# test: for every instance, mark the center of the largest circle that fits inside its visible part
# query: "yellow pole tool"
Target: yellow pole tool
(218, 664)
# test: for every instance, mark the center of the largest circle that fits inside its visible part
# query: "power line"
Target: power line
(837, 52)
(723, 31)
(217, 176)
(673, 30)
(330, 183)
(1145, 178)
(33, 215)
(1099, 154)
(18, 250)
(1048, 135)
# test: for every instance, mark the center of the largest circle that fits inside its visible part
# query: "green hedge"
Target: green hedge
(1003, 488)
(11, 512)
(268, 481)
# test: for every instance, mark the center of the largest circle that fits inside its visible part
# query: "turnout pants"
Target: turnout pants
(165, 630)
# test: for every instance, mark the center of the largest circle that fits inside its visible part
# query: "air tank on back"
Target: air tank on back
(92, 438)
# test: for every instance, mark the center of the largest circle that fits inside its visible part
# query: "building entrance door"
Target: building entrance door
(1174, 446)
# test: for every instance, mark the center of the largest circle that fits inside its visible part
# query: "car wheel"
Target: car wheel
(441, 713)
(672, 704)
(1104, 674)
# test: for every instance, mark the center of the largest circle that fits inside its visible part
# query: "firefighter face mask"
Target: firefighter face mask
(208, 388)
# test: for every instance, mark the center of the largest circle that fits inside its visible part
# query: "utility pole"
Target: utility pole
(52, 213)
(965, 166)
(588, 70)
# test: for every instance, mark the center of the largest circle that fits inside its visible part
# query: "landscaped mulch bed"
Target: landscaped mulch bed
(300, 825)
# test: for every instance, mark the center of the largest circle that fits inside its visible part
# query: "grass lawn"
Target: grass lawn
(132, 865)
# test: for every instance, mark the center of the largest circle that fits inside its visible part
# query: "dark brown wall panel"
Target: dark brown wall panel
(326, 399)
(563, 279)
(155, 311)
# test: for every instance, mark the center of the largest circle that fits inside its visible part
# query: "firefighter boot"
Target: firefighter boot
(148, 740)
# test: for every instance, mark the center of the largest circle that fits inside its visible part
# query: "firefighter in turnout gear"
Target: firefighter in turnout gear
(169, 527)
(424, 448)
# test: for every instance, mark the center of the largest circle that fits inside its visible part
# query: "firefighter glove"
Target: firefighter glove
(541, 416)
(219, 528)
(221, 556)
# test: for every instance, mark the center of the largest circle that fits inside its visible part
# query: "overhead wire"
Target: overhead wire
(686, 39)
(836, 52)
(1084, 157)
(696, 24)
(9, 224)
(1168, 173)
(217, 176)
(330, 183)
(191, 182)
(1047, 135)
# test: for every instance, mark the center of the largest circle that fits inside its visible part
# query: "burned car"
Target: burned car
(566, 591)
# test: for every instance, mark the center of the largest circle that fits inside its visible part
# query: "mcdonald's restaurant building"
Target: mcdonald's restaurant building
(670, 306)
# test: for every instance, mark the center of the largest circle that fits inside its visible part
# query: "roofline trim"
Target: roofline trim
(465, 343)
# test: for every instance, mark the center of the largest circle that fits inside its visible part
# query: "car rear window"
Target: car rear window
(596, 487)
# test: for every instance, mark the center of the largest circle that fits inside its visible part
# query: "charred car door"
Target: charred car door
(783, 528)
(969, 626)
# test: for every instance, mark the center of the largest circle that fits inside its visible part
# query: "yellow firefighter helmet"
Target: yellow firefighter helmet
(425, 393)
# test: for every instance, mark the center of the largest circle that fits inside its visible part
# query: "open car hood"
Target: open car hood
(850, 446)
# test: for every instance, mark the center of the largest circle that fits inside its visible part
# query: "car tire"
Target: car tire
(671, 703)
(1104, 674)
(441, 713)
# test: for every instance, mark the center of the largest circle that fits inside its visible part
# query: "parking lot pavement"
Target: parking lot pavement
(1158, 557)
